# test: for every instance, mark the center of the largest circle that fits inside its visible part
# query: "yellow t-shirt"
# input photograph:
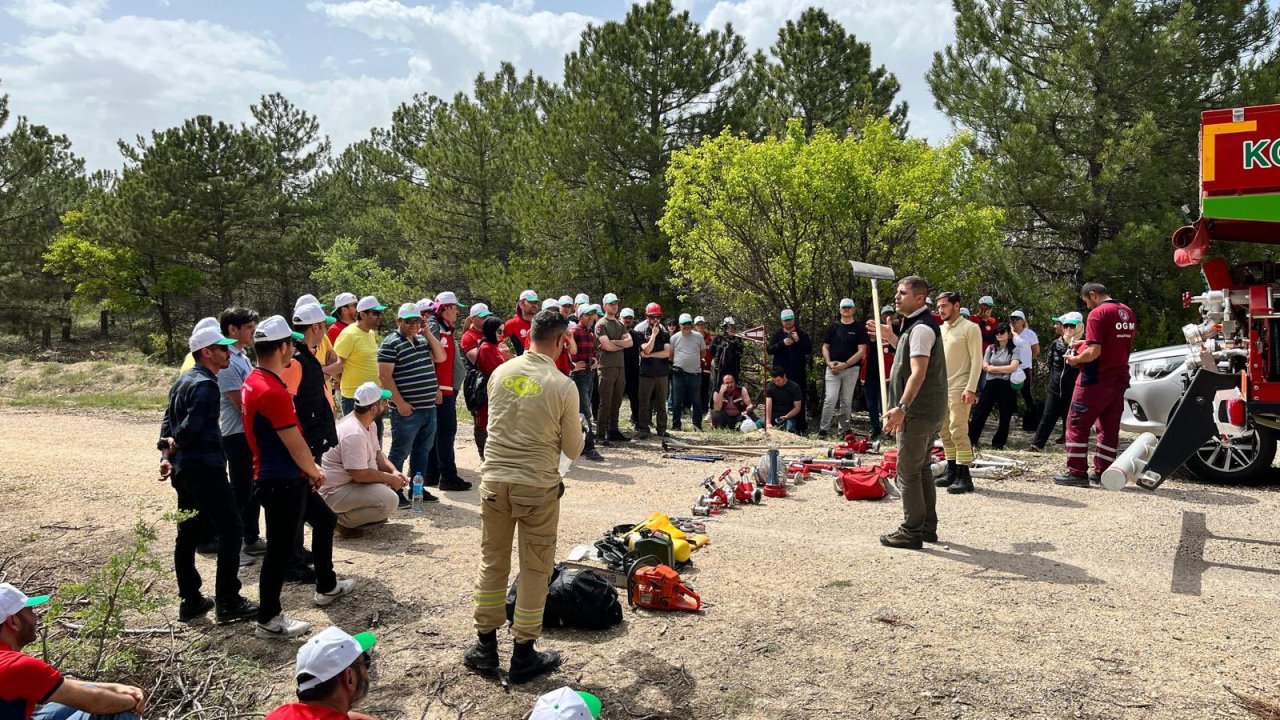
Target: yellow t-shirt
(188, 362)
(359, 352)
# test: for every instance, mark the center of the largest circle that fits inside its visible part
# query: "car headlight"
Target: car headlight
(1155, 369)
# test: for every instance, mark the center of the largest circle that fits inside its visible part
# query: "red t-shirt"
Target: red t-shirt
(267, 408)
(444, 370)
(471, 339)
(518, 328)
(563, 362)
(1111, 325)
(25, 682)
(305, 711)
(488, 358)
(335, 330)
(987, 326)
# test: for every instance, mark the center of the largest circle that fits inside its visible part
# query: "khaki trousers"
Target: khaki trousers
(358, 504)
(536, 511)
(613, 382)
(955, 429)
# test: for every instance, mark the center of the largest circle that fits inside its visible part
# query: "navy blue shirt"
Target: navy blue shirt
(191, 419)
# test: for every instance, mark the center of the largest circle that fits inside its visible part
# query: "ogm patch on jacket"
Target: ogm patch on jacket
(522, 386)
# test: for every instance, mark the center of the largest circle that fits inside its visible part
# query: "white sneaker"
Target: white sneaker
(344, 587)
(282, 627)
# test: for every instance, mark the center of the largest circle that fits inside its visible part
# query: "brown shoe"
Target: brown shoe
(901, 540)
(348, 533)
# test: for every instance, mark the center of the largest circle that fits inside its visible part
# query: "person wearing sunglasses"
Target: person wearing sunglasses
(1000, 362)
(357, 347)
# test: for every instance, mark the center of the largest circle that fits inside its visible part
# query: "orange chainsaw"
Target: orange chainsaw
(658, 587)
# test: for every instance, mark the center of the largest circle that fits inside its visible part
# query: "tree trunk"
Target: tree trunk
(104, 323)
(46, 335)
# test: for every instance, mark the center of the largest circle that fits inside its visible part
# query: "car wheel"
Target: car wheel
(1243, 460)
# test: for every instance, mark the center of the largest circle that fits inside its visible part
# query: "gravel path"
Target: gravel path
(1040, 602)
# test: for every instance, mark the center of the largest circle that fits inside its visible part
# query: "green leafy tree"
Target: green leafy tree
(467, 149)
(344, 268)
(634, 92)
(1089, 111)
(773, 223)
(822, 75)
(40, 178)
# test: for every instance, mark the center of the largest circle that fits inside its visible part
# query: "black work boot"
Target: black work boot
(527, 663)
(483, 655)
(963, 483)
(950, 477)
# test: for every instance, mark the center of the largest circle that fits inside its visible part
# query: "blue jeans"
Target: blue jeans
(441, 466)
(57, 711)
(686, 391)
(787, 425)
(349, 404)
(412, 437)
(585, 380)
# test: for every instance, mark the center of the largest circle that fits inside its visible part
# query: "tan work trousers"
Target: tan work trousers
(612, 383)
(536, 511)
(358, 504)
(955, 429)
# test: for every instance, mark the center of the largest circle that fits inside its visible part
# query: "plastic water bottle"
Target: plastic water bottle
(417, 493)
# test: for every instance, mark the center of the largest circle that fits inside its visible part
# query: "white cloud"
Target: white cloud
(903, 35)
(47, 14)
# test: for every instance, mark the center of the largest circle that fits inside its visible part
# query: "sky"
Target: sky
(103, 70)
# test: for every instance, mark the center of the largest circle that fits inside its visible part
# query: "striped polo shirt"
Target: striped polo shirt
(414, 373)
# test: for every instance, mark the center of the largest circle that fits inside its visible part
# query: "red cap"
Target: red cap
(653, 309)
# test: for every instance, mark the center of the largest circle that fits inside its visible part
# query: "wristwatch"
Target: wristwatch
(904, 406)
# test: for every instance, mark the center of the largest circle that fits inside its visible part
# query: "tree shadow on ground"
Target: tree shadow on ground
(1024, 563)
(1051, 500)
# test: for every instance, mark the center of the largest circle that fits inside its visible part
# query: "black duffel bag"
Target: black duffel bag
(576, 598)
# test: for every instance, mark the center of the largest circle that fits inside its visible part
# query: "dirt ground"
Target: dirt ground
(1041, 601)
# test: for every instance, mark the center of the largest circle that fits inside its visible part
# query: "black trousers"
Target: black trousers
(289, 503)
(206, 491)
(1055, 409)
(442, 464)
(996, 394)
(240, 470)
(632, 391)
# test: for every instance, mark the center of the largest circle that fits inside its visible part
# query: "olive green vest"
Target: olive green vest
(930, 404)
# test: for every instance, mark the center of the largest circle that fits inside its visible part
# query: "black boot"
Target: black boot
(963, 483)
(950, 477)
(527, 663)
(483, 655)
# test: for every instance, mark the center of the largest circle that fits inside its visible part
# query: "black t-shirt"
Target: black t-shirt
(656, 367)
(845, 339)
(784, 398)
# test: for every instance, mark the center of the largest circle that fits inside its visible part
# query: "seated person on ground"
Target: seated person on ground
(32, 689)
(333, 675)
(730, 404)
(784, 399)
(360, 483)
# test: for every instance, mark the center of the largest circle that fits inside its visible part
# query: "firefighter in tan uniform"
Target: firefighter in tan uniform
(533, 418)
(962, 348)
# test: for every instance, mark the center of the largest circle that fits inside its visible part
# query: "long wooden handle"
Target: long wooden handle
(884, 371)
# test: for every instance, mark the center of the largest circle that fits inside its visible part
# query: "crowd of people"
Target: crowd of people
(294, 436)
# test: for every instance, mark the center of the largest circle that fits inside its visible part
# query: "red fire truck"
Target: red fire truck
(1233, 388)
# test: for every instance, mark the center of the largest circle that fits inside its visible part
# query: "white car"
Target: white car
(1157, 380)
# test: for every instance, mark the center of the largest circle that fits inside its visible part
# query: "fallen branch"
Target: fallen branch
(129, 631)
(1262, 709)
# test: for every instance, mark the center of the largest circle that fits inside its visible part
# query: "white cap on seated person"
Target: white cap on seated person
(370, 393)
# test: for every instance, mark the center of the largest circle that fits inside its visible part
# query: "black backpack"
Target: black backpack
(577, 598)
(475, 388)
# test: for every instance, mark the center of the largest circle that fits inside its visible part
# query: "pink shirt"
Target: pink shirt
(357, 449)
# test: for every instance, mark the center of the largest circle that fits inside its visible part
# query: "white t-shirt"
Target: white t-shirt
(357, 448)
(921, 343)
(1024, 341)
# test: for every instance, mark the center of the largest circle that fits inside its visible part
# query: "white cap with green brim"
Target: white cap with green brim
(343, 299)
(209, 322)
(274, 328)
(686, 319)
(565, 300)
(307, 299)
(1018, 314)
(370, 393)
(328, 653)
(581, 299)
(986, 300)
(1072, 318)
(627, 313)
(550, 304)
(529, 296)
(13, 600)
(310, 314)
(479, 310)
(787, 314)
(369, 302)
(206, 336)
(610, 298)
(846, 303)
(409, 311)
